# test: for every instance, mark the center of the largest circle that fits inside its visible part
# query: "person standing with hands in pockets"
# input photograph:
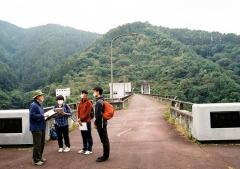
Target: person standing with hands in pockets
(85, 108)
(101, 123)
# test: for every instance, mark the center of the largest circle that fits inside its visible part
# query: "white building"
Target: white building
(14, 127)
(145, 88)
(120, 89)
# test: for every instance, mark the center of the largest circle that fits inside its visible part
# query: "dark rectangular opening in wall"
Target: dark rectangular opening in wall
(10, 125)
(225, 119)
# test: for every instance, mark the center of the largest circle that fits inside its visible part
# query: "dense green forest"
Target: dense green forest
(197, 66)
(172, 60)
(28, 56)
(221, 49)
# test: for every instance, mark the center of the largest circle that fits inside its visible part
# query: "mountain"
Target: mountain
(9, 37)
(27, 57)
(223, 49)
(197, 66)
(190, 64)
(34, 52)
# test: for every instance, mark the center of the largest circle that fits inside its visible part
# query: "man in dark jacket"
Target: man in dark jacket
(37, 127)
(101, 124)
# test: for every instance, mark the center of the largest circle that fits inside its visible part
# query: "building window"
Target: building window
(115, 93)
(10, 125)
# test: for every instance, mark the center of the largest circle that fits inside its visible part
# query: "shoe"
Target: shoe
(67, 149)
(43, 159)
(101, 159)
(81, 151)
(88, 152)
(39, 163)
(60, 150)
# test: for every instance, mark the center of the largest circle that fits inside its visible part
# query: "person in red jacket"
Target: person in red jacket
(85, 108)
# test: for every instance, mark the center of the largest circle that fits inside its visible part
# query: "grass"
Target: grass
(181, 129)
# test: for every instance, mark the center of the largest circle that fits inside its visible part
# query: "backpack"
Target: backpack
(108, 110)
(92, 112)
(53, 134)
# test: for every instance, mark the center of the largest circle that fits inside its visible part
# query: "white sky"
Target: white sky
(102, 15)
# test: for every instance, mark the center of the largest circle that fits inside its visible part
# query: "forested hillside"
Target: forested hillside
(27, 56)
(196, 66)
(223, 49)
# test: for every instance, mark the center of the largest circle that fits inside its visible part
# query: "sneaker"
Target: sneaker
(88, 152)
(67, 149)
(81, 151)
(60, 150)
(43, 159)
(39, 163)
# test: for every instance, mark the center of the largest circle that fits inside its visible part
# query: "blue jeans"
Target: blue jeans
(87, 138)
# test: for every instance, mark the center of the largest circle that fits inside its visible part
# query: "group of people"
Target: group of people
(85, 113)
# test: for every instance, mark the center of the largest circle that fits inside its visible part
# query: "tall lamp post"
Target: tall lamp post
(113, 39)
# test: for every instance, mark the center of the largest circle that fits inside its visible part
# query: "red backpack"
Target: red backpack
(108, 110)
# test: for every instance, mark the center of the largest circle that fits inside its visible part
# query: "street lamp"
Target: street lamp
(113, 39)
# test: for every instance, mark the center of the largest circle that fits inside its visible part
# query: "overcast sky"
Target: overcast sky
(101, 15)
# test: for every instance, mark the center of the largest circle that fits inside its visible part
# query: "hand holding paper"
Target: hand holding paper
(83, 126)
(49, 114)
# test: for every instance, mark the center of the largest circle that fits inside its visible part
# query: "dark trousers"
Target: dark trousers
(87, 138)
(62, 132)
(105, 142)
(38, 145)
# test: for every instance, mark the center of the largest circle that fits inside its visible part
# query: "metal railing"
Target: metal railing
(181, 111)
(120, 103)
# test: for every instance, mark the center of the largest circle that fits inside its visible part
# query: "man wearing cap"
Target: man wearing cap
(37, 127)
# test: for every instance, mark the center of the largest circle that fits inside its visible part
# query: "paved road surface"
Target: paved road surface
(140, 139)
